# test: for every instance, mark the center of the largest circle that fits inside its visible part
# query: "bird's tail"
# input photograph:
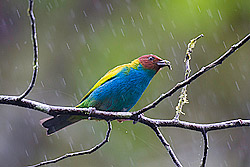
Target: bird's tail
(54, 124)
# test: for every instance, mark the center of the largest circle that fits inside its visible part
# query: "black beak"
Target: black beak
(164, 63)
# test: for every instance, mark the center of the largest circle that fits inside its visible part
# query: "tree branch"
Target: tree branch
(55, 110)
(35, 50)
(183, 97)
(68, 155)
(167, 146)
(135, 116)
(194, 76)
(203, 161)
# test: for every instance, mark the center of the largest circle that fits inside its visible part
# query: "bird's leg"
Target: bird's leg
(91, 110)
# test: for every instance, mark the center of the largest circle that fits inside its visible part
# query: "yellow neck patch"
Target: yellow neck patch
(134, 64)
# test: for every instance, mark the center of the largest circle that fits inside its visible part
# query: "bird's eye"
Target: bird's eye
(151, 58)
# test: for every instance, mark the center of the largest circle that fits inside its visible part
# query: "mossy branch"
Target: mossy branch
(183, 97)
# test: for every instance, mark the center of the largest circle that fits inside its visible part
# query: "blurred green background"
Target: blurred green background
(79, 41)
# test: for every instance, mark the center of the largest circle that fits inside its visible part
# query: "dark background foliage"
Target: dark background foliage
(79, 41)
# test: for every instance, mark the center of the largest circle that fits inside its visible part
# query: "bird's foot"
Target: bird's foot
(91, 110)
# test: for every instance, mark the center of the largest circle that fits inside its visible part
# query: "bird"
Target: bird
(117, 91)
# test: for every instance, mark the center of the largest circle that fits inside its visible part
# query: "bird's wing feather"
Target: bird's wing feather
(107, 77)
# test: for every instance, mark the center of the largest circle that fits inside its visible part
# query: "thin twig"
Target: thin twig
(80, 152)
(35, 50)
(183, 97)
(167, 146)
(205, 138)
(194, 76)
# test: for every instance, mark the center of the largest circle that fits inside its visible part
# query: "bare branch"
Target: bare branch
(203, 161)
(95, 148)
(167, 146)
(195, 126)
(55, 110)
(194, 76)
(35, 50)
(135, 116)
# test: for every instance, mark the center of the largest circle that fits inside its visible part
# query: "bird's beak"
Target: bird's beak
(163, 63)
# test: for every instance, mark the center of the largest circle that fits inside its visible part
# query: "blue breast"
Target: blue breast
(122, 92)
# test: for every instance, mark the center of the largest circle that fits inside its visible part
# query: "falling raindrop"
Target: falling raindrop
(80, 71)
(50, 47)
(129, 9)
(170, 139)
(173, 51)
(224, 44)
(67, 45)
(82, 38)
(141, 15)
(132, 21)
(203, 49)
(88, 47)
(169, 77)
(81, 146)
(85, 14)
(18, 47)
(199, 8)
(10, 20)
(140, 31)
(236, 83)
(197, 66)
(219, 14)
(18, 14)
(26, 152)
(113, 31)
(122, 21)
(35, 138)
(158, 4)
(171, 35)
(131, 161)
(109, 10)
(133, 135)
(56, 92)
(179, 45)
(92, 27)
(163, 27)
(71, 147)
(143, 43)
(231, 26)
(173, 23)
(231, 137)
(63, 80)
(122, 32)
(232, 66)
(209, 13)
(93, 130)
(76, 28)
(158, 45)
(229, 146)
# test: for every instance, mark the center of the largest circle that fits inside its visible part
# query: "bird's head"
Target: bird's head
(153, 62)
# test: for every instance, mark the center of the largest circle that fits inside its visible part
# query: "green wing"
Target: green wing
(108, 76)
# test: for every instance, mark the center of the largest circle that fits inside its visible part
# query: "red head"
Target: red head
(153, 62)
